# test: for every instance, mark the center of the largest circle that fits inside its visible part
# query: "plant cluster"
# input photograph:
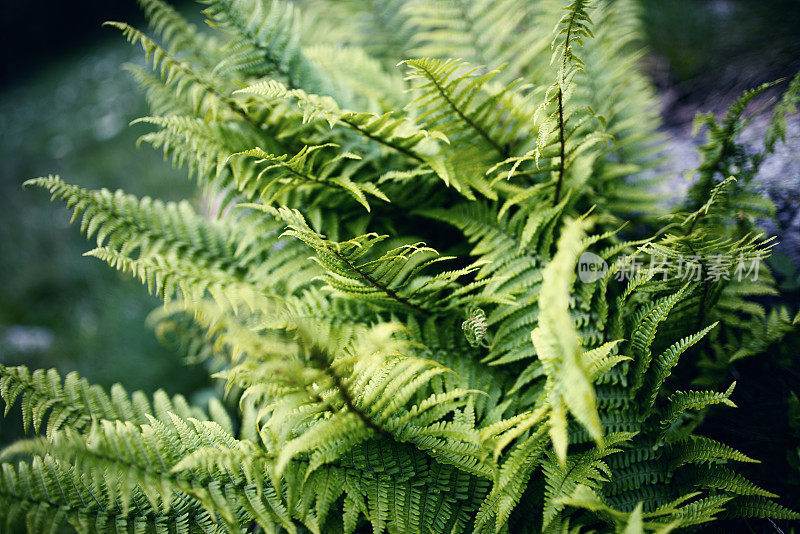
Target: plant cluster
(386, 285)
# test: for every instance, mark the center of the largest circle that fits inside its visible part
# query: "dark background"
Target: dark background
(38, 32)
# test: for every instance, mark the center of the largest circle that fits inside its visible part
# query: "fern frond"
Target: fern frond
(352, 67)
(511, 482)
(787, 106)
(265, 41)
(393, 279)
(457, 101)
(584, 469)
(559, 348)
(665, 362)
(204, 149)
(681, 401)
(178, 34)
(46, 495)
(399, 134)
(199, 88)
(172, 276)
(483, 32)
(719, 478)
(378, 387)
(47, 401)
(699, 449)
(760, 507)
(138, 457)
(645, 332)
(304, 169)
(145, 226)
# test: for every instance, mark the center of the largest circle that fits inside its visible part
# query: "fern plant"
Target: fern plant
(387, 287)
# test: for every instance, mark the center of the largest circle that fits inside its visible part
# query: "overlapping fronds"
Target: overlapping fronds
(562, 132)
(458, 101)
(265, 42)
(49, 402)
(373, 87)
(378, 133)
(204, 148)
(177, 33)
(396, 133)
(548, 371)
(200, 88)
(280, 174)
(35, 498)
(483, 32)
(395, 279)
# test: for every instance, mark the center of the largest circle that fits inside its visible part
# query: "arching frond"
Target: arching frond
(201, 89)
(48, 401)
(559, 348)
(394, 279)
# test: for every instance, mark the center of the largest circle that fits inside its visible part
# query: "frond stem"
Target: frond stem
(410, 153)
(315, 354)
(377, 285)
(313, 179)
(562, 143)
(503, 151)
(561, 126)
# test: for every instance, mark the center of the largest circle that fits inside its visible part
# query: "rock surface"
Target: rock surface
(778, 177)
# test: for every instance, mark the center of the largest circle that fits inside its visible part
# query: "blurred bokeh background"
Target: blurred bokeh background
(65, 105)
(65, 108)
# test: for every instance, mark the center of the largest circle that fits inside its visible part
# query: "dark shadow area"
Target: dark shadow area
(40, 32)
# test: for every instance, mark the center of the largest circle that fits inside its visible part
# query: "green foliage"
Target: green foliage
(559, 349)
(378, 384)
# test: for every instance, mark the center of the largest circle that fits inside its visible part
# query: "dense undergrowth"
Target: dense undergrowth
(438, 291)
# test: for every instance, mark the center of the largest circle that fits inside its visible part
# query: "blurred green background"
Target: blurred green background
(58, 308)
(65, 105)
